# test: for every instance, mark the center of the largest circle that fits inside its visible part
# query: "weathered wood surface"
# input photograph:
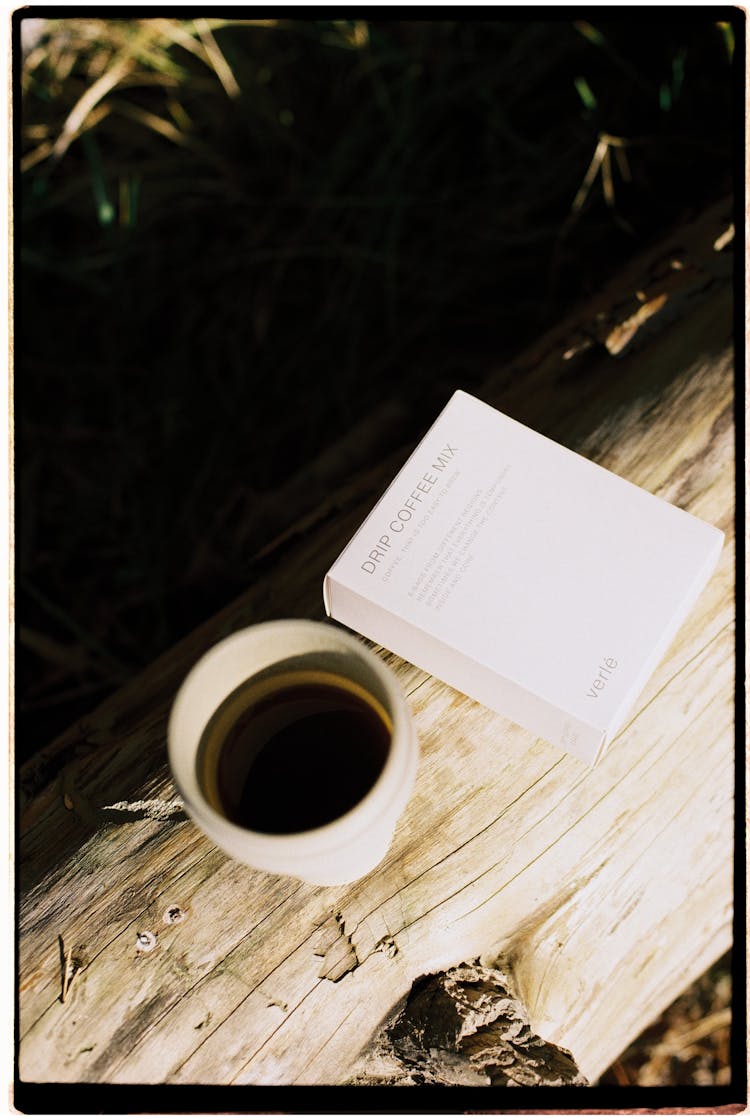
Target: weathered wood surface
(603, 892)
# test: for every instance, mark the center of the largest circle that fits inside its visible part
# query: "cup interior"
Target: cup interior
(296, 745)
(261, 654)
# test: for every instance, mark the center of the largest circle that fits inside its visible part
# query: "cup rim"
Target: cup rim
(388, 789)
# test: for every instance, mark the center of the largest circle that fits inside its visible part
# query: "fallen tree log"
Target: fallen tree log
(586, 898)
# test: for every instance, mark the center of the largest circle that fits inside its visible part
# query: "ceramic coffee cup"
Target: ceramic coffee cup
(266, 805)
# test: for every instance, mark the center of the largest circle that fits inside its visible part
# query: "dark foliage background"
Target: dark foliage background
(237, 239)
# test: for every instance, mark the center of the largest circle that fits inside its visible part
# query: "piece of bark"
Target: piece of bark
(465, 1026)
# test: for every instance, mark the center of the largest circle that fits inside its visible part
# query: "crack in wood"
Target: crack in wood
(334, 945)
(671, 679)
(222, 966)
(470, 840)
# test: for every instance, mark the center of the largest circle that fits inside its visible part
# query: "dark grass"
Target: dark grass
(392, 219)
(384, 213)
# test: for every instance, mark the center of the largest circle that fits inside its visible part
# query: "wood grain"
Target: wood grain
(603, 891)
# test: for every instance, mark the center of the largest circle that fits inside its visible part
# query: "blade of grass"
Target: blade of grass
(32, 158)
(105, 211)
(146, 79)
(727, 32)
(583, 27)
(179, 114)
(176, 32)
(92, 96)
(607, 184)
(170, 132)
(585, 93)
(622, 162)
(717, 1020)
(46, 148)
(204, 47)
(155, 123)
(217, 59)
(150, 52)
(129, 188)
(599, 154)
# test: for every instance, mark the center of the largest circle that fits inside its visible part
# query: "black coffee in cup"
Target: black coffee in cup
(292, 750)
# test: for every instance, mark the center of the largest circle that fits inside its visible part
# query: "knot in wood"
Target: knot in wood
(173, 915)
(388, 947)
(145, 941)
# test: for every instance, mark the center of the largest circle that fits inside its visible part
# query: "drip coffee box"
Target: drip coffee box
(522, 574)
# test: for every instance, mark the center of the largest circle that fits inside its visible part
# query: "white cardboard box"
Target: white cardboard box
(522, 574)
